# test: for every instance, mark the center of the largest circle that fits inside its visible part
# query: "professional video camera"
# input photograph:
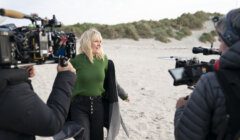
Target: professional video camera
(37, 43)
(187, 72)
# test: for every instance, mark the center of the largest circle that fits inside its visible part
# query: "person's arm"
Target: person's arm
(121, 93)
(47, 119)
(192, 120)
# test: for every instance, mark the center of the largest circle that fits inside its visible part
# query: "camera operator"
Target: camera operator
(205, 114)
(23, 113)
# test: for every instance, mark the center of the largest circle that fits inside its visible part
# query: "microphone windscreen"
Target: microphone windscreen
(11, 13)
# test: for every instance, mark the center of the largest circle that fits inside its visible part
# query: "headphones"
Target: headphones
(229, 36)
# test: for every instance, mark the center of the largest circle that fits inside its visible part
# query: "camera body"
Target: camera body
(23, 45)
(188, 72)
(5, 48)
(35, 44)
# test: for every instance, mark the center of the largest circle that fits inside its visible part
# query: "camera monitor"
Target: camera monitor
(187, 75)
(177, 73)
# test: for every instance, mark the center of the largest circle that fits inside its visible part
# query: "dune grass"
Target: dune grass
(161, 30)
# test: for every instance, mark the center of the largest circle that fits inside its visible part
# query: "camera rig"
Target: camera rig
(37, 43)
(188, 72)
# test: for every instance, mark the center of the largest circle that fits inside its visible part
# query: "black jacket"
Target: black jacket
(204, 114)
(111, 106)
(24, 114)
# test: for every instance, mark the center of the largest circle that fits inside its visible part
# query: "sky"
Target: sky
(112, 11)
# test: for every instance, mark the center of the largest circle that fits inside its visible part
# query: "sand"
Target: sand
(142, 70)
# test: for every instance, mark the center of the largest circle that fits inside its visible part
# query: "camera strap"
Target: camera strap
(230, 83)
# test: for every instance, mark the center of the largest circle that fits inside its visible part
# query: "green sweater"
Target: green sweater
(90, 76)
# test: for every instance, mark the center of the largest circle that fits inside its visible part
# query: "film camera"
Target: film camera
(38, 43)
(187, 72)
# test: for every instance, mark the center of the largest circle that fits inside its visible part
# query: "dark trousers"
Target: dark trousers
(88, 112)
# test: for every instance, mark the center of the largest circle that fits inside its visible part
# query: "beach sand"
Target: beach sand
(142, 70)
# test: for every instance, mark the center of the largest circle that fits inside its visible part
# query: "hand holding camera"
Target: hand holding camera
(68, 67)
(181, 102)
(31, 71)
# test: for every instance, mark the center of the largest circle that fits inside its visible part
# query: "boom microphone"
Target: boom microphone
(19, 15)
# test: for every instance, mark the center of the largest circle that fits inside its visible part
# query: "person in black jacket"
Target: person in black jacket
(23, 113)
(203, 115)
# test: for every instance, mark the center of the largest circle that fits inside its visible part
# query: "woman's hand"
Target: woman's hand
(127, 100)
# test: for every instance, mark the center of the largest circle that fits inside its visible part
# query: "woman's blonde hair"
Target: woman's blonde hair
(86, 40)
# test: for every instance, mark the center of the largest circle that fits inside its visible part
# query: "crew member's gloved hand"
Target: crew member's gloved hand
(181, 101)
(69, 67)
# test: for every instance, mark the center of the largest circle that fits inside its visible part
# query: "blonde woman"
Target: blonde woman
(94, 99)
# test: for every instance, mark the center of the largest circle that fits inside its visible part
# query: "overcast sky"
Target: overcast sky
(113, 11)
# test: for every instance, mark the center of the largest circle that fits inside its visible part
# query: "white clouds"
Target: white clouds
(116, 11)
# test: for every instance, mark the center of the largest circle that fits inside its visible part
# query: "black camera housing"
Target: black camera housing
(5, 48)
(188, 72)
(35, 44)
